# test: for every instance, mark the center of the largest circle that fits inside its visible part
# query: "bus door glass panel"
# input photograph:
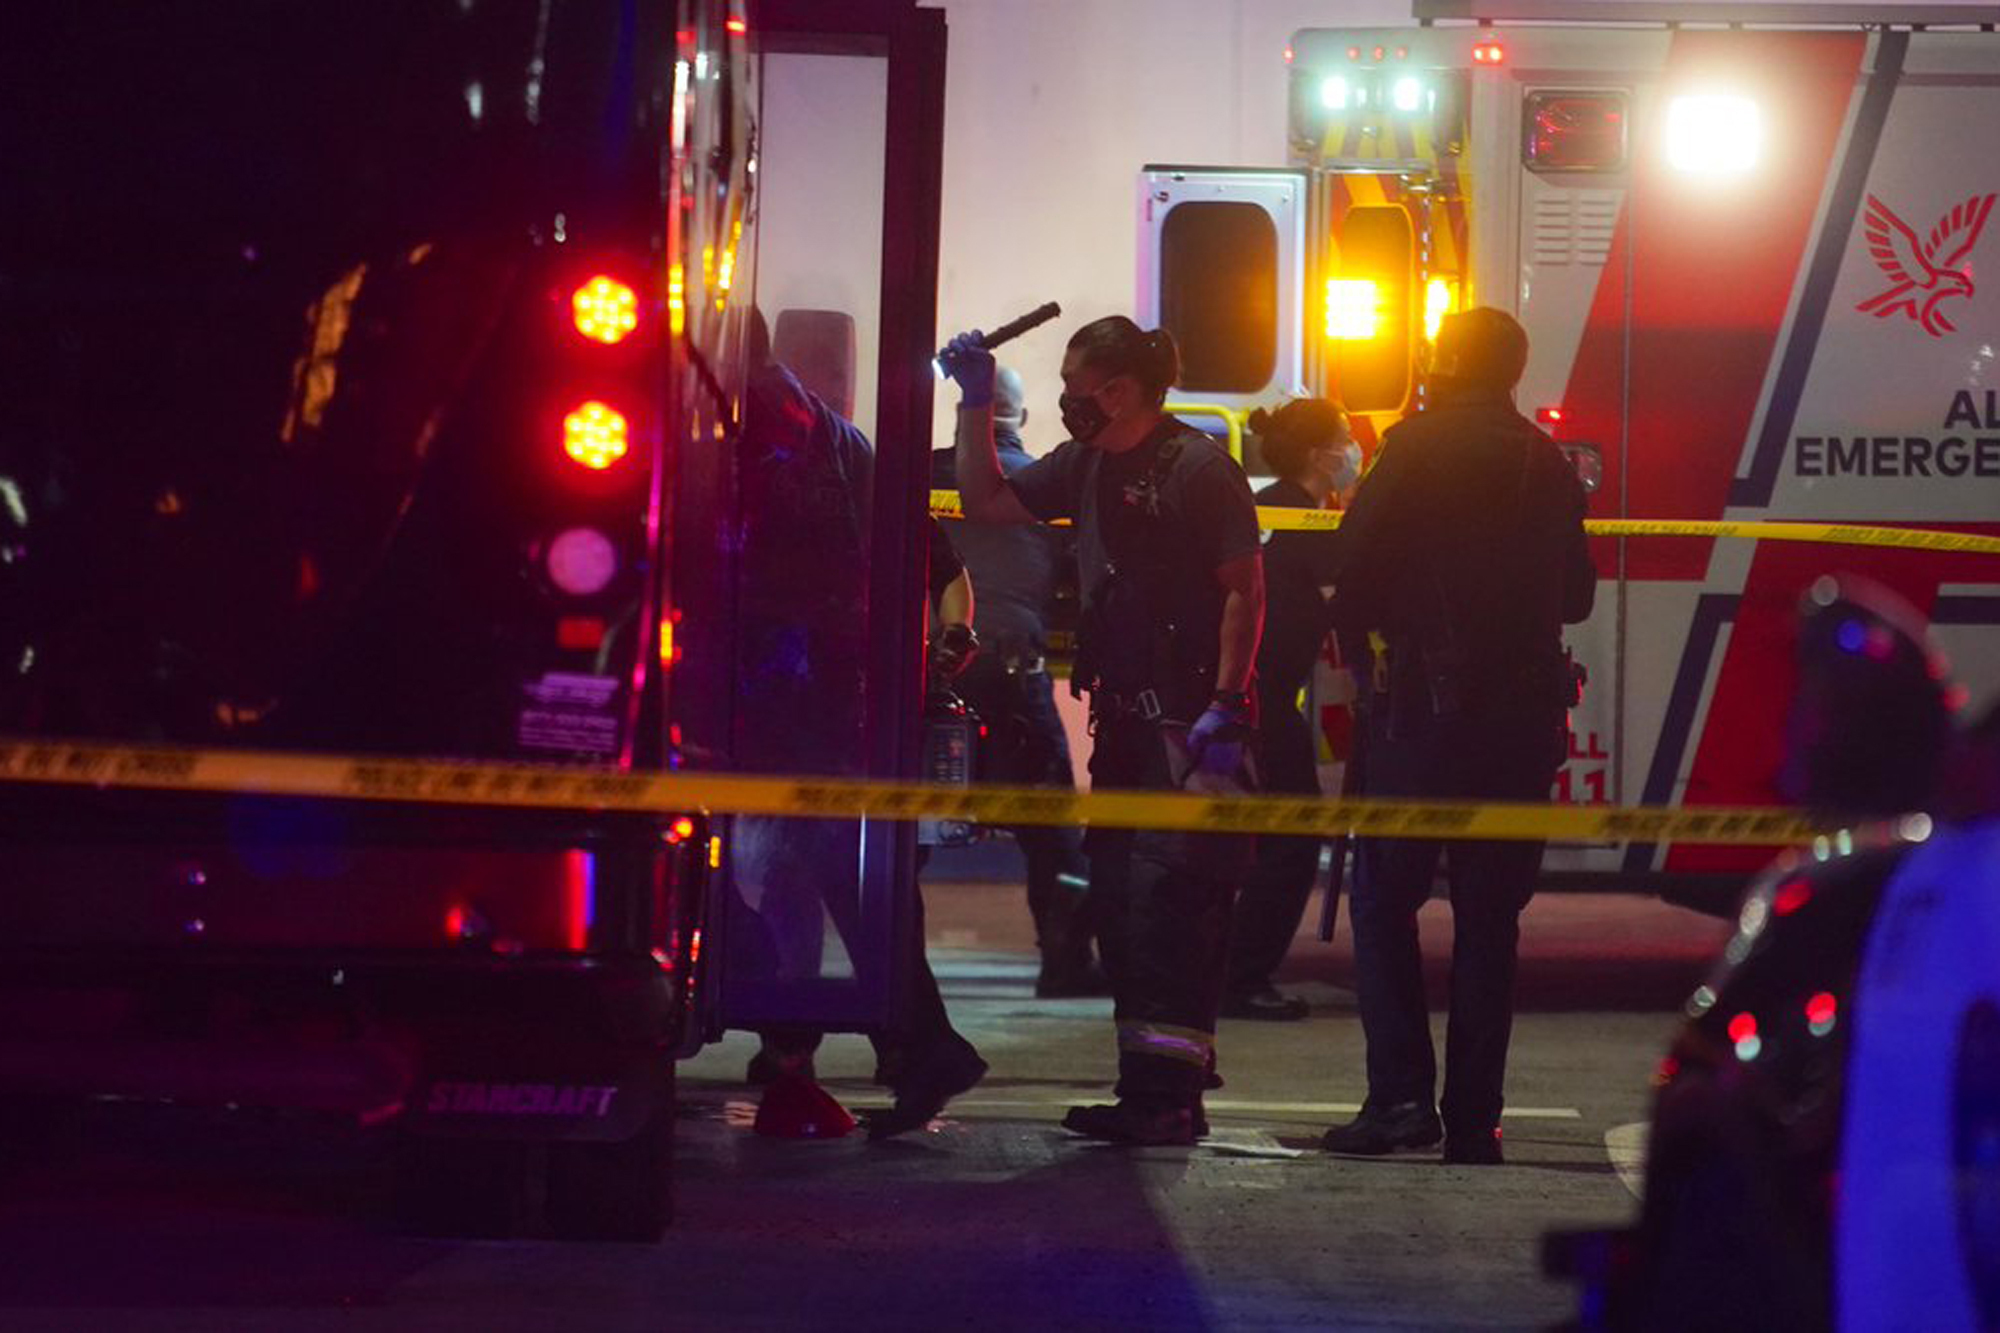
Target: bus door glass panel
(808, 903)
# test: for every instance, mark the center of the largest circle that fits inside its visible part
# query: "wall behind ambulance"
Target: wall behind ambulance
(1051, 108)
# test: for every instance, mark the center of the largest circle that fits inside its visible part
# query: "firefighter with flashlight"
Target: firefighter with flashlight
(1173, 605)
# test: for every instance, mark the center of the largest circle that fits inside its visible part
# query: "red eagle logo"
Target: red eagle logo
(1920, 280)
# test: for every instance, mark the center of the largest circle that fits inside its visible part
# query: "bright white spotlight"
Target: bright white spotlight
(1714, 134)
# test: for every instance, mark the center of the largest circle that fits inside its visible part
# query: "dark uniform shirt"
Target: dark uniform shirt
(1168, 517)
(1015, 567)
(1296, 566)
(1468, 533)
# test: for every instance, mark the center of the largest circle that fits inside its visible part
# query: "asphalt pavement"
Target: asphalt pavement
(993, 1218)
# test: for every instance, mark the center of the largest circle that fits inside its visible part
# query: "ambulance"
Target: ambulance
(1754, 249)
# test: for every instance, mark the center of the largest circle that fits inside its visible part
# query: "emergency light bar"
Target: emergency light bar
(1353, 308)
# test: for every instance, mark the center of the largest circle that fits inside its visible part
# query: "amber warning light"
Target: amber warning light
(605, 310)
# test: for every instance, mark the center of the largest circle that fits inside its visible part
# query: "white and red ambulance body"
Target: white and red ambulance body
(1758, 266)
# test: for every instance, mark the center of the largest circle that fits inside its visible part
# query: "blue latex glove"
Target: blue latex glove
(972, 366)
(1216, 741)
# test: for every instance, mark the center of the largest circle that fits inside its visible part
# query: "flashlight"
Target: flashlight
(1012, 329)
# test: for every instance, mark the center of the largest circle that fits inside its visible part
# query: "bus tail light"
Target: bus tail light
(605, 310)
(581, 561)
(596, 435)
(580, 634)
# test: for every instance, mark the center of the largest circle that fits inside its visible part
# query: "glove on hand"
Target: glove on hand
(972, 366)
(1216, 741)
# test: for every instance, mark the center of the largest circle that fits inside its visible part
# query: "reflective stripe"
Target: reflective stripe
(1188, 1045)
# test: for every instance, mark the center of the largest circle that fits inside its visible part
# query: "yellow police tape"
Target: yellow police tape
(280, 773)
(1278, 519)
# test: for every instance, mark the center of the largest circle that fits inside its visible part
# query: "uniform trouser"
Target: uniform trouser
(1025, 745)
(1280, 882)
(1493, 759)
(925, 1027)
(1162, 899)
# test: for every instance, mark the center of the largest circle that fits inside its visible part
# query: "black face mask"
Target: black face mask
(1083, 417)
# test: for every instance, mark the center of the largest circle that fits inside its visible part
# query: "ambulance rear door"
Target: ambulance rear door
(1223, 267)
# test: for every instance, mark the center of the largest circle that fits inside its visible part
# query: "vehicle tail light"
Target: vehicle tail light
(596, 435)
(581, 561)
(605, 310)
(581, 634)
(1488, 52)
(1549, 416)
(670, 648)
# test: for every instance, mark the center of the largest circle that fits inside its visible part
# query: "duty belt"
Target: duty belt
(1110, 706)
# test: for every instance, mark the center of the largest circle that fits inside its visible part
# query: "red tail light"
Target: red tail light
(596, 435)
(605, 310)
(1488, 53)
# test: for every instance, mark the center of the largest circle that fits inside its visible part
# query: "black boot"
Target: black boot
(925, 1084)
(1383, 1129)
(1141, 1121)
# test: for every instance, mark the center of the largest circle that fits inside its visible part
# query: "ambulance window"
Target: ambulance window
(1219, 294)
(1566, 130)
